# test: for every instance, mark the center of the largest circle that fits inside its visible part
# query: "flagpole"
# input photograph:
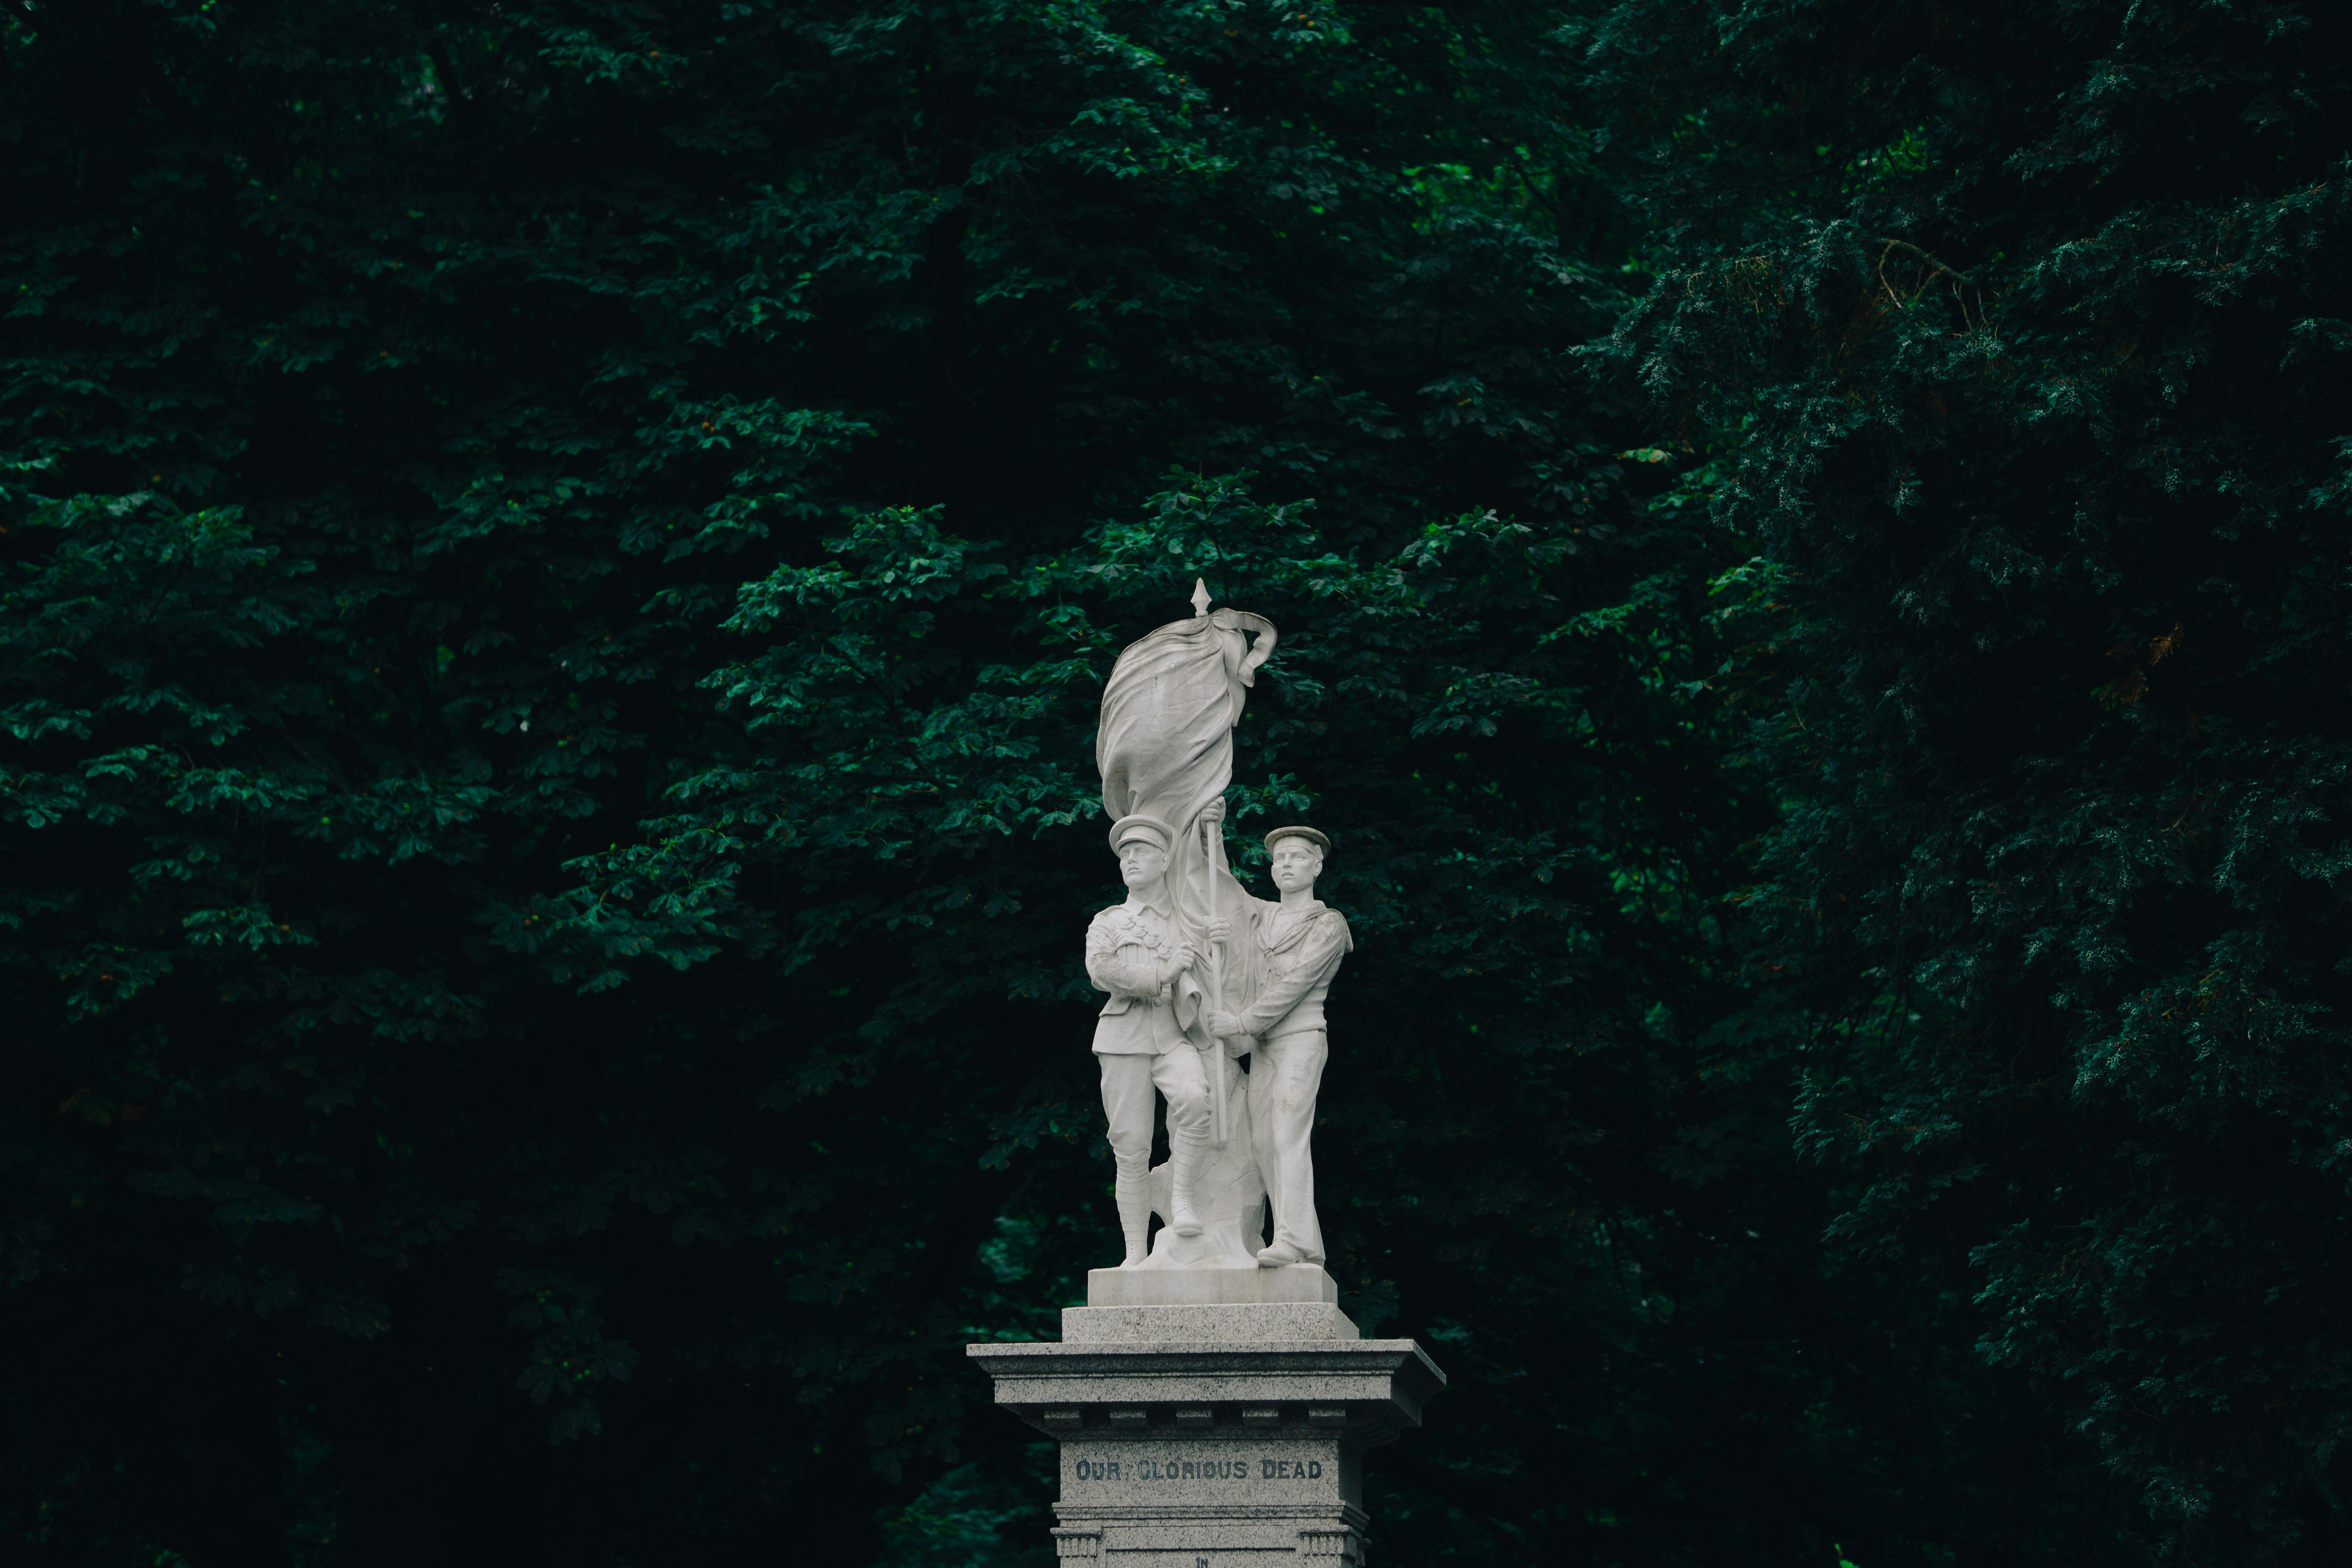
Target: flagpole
(1220, 1114)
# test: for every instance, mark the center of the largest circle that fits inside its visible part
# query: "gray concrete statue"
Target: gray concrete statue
(1210, 1399)
(1188, 999)
(1299, 942)
(1165, 747)
(1138, 953)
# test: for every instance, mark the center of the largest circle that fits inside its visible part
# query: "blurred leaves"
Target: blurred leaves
(2009, 315)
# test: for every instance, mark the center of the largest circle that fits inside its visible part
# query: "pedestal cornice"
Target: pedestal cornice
(1369, 1389)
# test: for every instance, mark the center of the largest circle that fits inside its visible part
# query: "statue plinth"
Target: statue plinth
(1146, 1286)
(1224, 1434)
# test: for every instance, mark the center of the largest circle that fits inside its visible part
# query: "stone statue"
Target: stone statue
(1299, 942)
(1188, 999)
(1137, 951)
(1209, 1398)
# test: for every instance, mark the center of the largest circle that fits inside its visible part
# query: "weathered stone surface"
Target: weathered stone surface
(1381, 1382)
(1174, 1453)
(1210, 1399)
(1228, 1198)
(1254, 1323)
(1201, 974)
(1205, 1286)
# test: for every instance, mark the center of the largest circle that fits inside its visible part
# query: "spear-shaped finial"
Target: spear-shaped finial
(1200, 595)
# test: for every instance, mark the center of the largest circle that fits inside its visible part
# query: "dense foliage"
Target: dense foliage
(2027, 321)
(557, 561)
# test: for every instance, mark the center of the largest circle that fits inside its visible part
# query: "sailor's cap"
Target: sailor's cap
(1308, 834)
(1141, 826)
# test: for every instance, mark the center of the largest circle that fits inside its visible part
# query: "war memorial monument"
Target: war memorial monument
(1211, 1403)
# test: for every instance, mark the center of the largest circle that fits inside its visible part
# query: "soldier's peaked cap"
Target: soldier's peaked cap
(1141, 827)
(1308, 834)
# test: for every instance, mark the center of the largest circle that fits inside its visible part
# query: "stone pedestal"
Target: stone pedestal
(1205, 1433)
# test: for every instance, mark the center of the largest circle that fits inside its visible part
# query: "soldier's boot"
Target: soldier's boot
(1134, 1196)
(1184, 1159)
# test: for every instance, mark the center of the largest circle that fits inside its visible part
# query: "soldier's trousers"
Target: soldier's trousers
(1284, 1074)
(1126, 1086)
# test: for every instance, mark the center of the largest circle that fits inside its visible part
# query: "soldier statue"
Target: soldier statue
(1136, 952)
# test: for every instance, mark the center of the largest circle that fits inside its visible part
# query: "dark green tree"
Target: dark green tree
(557, 558)
(2023, 322)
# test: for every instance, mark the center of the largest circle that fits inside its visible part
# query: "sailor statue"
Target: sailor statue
(1299, 942)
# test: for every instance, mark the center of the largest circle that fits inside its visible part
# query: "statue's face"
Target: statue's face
(1296, 863)
(1141, 862)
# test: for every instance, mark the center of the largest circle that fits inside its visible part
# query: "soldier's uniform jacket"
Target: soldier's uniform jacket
(1130, 948)
(1300, 951)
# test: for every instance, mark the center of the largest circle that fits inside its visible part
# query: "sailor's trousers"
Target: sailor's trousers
(1286, 1073)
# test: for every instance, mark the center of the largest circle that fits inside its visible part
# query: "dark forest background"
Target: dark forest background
(557, 557)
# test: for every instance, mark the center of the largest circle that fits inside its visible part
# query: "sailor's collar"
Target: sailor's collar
(1289, 922)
